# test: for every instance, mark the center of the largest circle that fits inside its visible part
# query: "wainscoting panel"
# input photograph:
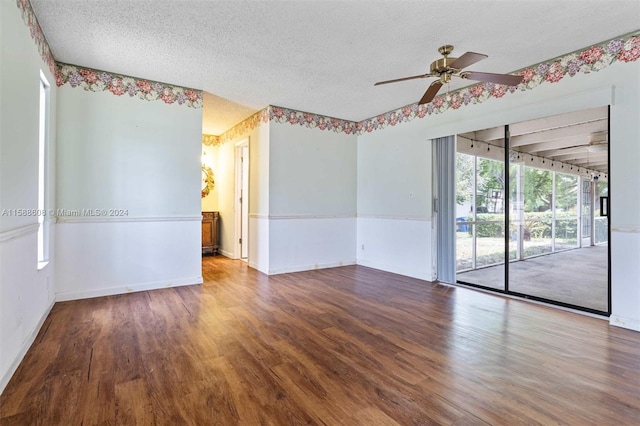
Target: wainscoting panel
(396, 244)
(259, 242)
(99, 258)
(306, 242)
(26, 295)
(625, 295)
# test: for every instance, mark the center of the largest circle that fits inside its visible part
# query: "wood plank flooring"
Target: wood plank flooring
(343, 346)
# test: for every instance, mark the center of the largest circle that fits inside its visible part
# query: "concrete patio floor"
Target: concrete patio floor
(577, 277)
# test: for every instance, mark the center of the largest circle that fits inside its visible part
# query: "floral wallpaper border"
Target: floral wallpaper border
(29, 18)
(312, 121)
(210, 140)
(621, 49)
(245, 126)
(593, 59)
(597, 57)
(99, 81)
(283, 116)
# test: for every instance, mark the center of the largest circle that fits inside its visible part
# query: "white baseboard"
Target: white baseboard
(368, 264)
(302, 268)
(75, 295)
(255, 266)
(228, 254)
(4, 381)
(630, 323)
(390, 268)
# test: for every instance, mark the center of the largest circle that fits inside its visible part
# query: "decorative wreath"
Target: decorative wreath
(207, 181)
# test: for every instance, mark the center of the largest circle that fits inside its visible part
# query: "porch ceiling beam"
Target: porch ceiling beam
(558, 121)
(583, 131)
(569, 142)
(487, 135)
(587, 155)
(563, 151)
(590, 163)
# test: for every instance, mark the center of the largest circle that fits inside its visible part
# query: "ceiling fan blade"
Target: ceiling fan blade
(487, 77)
(467, 59)
(403, 79)
(431, 92)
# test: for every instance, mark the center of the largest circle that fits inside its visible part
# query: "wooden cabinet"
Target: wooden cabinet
(210, 232)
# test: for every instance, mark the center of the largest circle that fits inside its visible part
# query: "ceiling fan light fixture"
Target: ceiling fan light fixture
(446, 67)
(597, 148)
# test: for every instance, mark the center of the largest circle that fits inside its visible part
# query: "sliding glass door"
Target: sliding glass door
(537, 228)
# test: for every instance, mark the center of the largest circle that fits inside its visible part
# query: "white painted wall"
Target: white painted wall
(259, 187)
(259, 168)
(259, 242)
(394, 200)
(398, 245)
(310, 242)
(141, 157)
(624, 181)
(226, 199)
(312, 172)
(258, 256)
(618, 85)
(312, 198)
(26, 293)
(99, 258)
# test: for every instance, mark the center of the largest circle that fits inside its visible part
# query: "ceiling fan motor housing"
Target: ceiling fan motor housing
(442, 67)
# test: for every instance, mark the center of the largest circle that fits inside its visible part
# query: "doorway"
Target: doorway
(531, 210)
(242, 199)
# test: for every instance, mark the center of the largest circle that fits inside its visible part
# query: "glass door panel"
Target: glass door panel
(480, 216)
(465, 247)
(554, 210)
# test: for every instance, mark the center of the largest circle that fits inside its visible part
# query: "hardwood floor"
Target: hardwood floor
(343, 346)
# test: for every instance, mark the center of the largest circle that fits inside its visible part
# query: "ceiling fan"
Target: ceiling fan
(598, 142)
(447, 67)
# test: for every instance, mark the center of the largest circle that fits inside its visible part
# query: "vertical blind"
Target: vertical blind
(445, 204)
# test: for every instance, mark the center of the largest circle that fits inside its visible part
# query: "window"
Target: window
(43, 139)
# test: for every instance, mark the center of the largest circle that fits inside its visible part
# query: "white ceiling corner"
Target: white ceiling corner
(317, 56)
(219, 114)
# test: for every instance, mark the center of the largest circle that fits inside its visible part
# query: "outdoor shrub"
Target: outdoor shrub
(537, 225)
(489, 229)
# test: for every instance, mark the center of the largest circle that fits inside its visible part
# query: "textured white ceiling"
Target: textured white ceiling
(219, 114)
(319, 56)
